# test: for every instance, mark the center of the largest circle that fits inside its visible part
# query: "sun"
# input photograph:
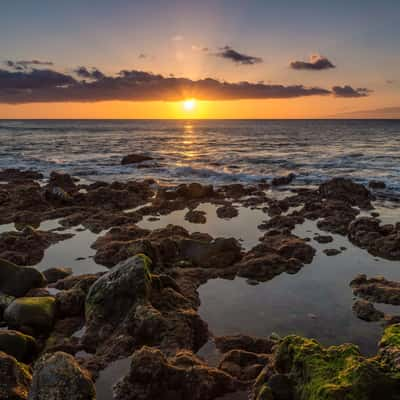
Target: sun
(189, 104)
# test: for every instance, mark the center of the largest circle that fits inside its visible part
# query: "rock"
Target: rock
(241, 342)
(242, 364)
(379, 240)
(196, 217)
(111, 297)
(377, 289)
(54, 274)
(195, 191)
(15, 175)
(336, 372)
(59, 376)
(283, 180)
(27, 247)
(15, 378)
(278, 252)
(348, 191)
(332, 252)
(135, 159)
(377, 184)
(366, 311)
(17, 280)
(18, 345)
(227, 212)
(153, 376)
(63, 181)
(323, 238)
(32, 313)
(282, 222)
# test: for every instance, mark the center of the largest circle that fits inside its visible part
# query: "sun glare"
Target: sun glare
(189, 104)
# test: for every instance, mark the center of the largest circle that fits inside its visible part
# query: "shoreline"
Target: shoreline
(131, 218)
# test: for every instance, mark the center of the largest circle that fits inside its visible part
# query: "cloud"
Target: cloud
(348, 91)
(94, 73)
(316, 63)
(142, 55)
(177, 38)
(239, 58)
(390, 81)
(85, 85)
(25, 64)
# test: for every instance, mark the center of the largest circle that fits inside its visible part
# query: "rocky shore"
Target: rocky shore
(145, 306)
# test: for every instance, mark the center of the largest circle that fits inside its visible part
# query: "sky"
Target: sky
(238, 59)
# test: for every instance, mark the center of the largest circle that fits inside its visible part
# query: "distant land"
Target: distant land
(384, 113)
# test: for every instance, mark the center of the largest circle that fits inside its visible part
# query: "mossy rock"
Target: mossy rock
(16, 280)
(15, 378)
(22, 347)
(391, 336)
(34, 313)
(334, 373)
(114, 293)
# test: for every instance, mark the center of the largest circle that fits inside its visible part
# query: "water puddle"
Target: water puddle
(316, 302)
(109, 377)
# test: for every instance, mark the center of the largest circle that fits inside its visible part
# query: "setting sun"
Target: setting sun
(189, 105)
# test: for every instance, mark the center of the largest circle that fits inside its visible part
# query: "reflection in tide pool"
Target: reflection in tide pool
(316, 302)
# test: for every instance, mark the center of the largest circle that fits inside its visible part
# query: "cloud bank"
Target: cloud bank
(26, 64)
(92, 85)
(316, 63)
(239, 58)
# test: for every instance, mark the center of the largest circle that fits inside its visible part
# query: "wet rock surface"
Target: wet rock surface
(376, 289)
(146, 305)
(181, 377)
(59, 376)
(15, 378)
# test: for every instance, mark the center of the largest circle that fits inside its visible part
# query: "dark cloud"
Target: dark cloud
(33, 80)
(94, 73)
(316, 63)
(238, 58)
(348, 91)
(390, 81)
(25, 64)
(142, 55)
(131, 85)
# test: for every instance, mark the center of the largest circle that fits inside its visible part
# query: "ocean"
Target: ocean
(207, 151)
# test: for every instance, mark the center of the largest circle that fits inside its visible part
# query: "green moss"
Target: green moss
(337, 372)
(391, 336)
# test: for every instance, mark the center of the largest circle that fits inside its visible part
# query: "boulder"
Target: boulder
(241, 342)
(377, 184)
(135, 159)
(366, 311)
(58, 376)
(227, 212)
(15, 378)
(111, 297)
(283, 180)
(346, 190)
(336, 372)
(35, 314)
(153, 376)
(16, 344)
(196, 217)
(376, 289)
(17, 280)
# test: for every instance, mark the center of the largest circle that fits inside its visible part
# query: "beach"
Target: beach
(211, 287)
